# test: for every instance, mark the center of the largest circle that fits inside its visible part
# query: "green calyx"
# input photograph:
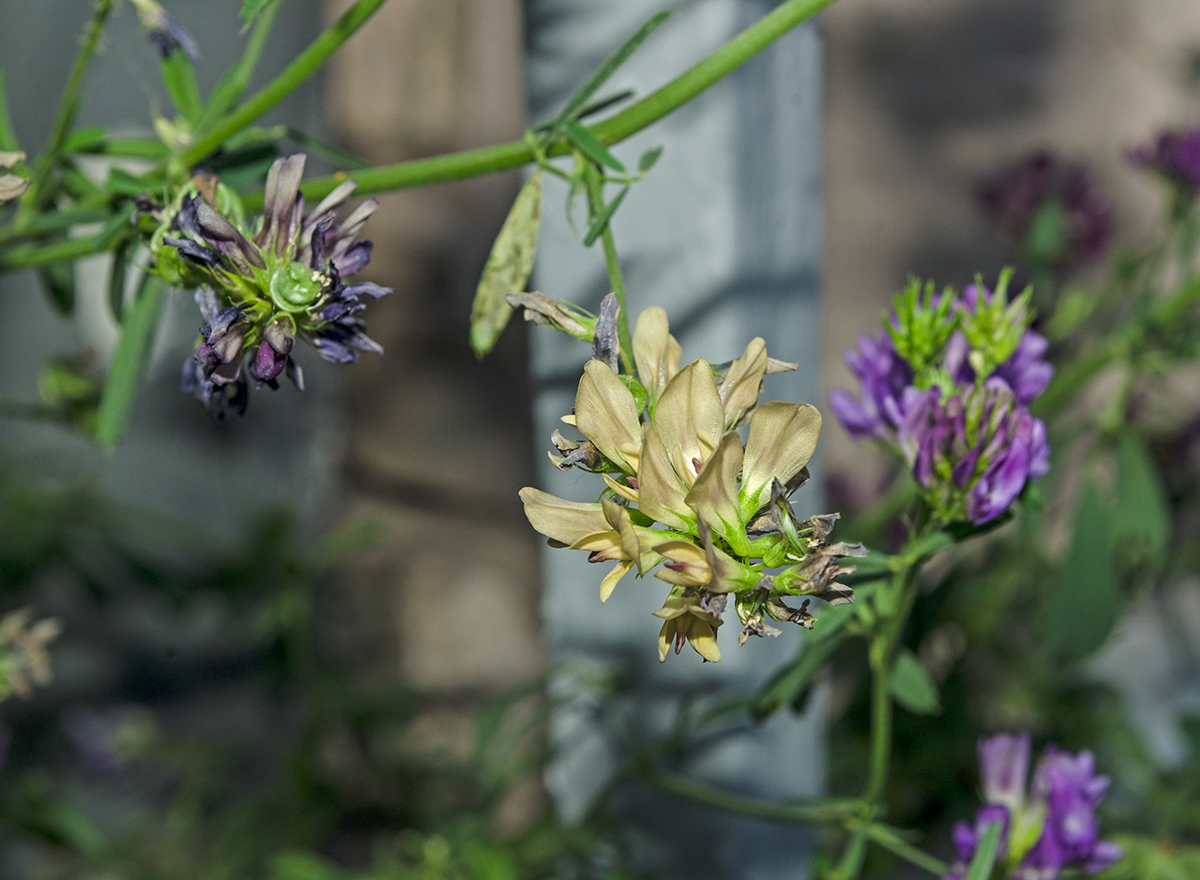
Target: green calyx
(294, 287)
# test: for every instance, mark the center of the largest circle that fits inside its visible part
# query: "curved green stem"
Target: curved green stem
(813, 812)
(68, 106)
(502, 157)
(306, 63)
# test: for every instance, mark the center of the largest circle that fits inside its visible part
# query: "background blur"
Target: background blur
(276, 687)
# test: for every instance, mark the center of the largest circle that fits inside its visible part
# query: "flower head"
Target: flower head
(946, 387)
(682, 489)
(260, 291)
(1050, 212)
(1173, 154)
(1046, 827)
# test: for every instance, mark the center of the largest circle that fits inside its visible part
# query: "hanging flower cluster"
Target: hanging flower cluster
(1049, 211)
(260, 290)
(947, 387)
(683, 489)
(1047, 828)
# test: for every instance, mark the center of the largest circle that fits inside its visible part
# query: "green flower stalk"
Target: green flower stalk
(682, 489)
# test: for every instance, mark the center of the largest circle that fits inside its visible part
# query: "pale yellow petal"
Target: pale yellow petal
(703, 638)
(782, 439)
(607, 414)
(674, 607)
(739, 390)
(714, 497)
(666, 636)
(655, 351)
(561, 520)
(689, 417)
(660, 490)
(626, 492)
(688, 564)
(610, 580)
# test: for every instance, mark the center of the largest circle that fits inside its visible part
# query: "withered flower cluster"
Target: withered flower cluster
(684, 491)
(263, 285)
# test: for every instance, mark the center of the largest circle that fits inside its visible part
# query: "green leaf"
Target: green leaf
(507, 268)
(118, 227)
(121, 181)
(8, 135)
(116, 281)
(592, 148)
(1081, 606)
(601, 222)
(580, 99)
(179, 78)
(649, 159)
(81, 140)
(252, 9)
(129, 363)
(59, 279)
(1142, 512)
(912, 687)
(985, 855)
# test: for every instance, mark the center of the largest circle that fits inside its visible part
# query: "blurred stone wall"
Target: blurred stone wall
(438, 443)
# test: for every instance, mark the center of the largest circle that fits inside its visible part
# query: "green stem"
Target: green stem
(888, 838)
(810, 813)
(894, 609)
(503, 157)
(715, 67)
(285, 83)
(595, 193)
(68, 106)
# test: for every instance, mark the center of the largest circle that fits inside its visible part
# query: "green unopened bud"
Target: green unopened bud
(295, 287)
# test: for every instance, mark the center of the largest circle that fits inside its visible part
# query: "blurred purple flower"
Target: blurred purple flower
(1049, 210)
(1173, 154)
(884, 376)
(1055, 828)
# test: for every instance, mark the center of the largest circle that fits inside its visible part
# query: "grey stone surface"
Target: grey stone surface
(725, 234)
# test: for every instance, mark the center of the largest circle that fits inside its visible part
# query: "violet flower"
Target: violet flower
(1051, 211)
(1049, 827)
(1173, 154)
(884, 376)
(263, 291)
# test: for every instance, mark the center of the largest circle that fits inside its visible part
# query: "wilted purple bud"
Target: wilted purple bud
(1050, 210)
(1173, 154)
(164, 32)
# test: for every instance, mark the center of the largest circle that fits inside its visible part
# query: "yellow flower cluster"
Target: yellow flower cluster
(682, 489)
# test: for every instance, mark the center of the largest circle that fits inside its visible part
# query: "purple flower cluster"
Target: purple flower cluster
(1052, 826)
(261, 292)
(970, 440)
(1173, 154)
(1040, 182)
(976, 449)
